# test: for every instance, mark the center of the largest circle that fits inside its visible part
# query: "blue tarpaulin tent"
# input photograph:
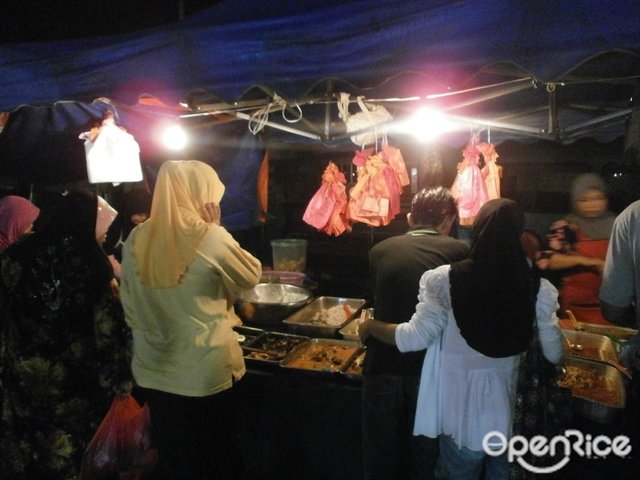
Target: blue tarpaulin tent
(581, 57)
(517, 68)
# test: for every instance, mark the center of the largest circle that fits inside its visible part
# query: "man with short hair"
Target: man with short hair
(620, 304)
(391, 378)
(620, 290)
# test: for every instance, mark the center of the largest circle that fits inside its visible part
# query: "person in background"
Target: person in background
(181, 271)
(65, 346)
(620, 289)
(134, 209)
(475, 317)
(531, 243)
(17, 215)
(620, 303)
(576, 247)
(391, 378)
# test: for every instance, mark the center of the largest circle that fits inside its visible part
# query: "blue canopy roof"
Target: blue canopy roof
(574, 64)
(519, 68)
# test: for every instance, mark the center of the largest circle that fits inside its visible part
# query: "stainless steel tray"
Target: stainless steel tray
(614, 332)
(272, 347)
(322, 355)
(598, 389)
(353, 369)
(324, 316)
(350, 330)
(246, 335)
(591, 346)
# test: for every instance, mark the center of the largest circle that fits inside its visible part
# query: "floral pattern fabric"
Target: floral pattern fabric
(64, 347)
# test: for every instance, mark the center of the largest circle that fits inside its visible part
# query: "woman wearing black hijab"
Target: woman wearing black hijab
(64, 342)
(475, 317)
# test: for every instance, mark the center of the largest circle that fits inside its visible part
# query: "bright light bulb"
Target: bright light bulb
(174, 137)
(427, 124)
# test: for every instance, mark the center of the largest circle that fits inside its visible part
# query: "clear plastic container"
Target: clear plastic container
(289, 255)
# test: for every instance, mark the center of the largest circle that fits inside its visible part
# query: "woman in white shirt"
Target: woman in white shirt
(475, 317)
(181, 271)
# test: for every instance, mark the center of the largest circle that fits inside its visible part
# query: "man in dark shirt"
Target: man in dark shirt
(391, 378)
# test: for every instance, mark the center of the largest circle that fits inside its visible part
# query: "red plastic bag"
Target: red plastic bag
(122, 443)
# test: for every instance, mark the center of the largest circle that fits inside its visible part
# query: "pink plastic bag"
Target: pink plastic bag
(122, 443)
(327, 210)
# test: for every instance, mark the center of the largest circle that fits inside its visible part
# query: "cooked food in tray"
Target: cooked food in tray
(354, 367)
(262, 356)
(593, 383)
(322, 355)
(246, 335)
(332, 316)
(272, 346)
(326, 312)
(350, 330)
(590, 346)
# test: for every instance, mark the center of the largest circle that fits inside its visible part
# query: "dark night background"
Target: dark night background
(38, 20)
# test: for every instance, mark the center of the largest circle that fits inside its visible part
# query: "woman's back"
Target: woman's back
(66, 348)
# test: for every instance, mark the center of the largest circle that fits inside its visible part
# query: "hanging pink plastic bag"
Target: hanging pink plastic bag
(327, 210)
(122, 443)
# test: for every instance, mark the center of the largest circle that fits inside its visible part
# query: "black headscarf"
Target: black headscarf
(70, 214)
(61, 252)
(70, 218)
(492, 291)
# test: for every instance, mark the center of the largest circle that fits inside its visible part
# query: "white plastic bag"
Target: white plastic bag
(368, 118)
(114, 156)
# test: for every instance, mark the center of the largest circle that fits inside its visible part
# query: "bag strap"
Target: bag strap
(343, 106)
(363, 106)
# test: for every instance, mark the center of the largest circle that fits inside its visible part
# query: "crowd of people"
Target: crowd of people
(97, 304)
(73, 337)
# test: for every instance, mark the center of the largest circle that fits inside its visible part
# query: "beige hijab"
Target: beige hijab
(166, 244)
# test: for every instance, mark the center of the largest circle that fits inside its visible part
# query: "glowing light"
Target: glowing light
(174, 138)
(427, 123)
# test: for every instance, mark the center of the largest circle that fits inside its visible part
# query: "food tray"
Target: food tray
(271, 347)
(350, 330)
(612, 331)
(247, 335)
(591, 346)
(353, 369)
(322, 355)
(324, 316)
(598, 389)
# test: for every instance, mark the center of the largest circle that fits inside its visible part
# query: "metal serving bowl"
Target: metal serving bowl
(270, 303)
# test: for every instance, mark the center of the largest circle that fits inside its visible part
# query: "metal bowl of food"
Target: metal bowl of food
(270, 303)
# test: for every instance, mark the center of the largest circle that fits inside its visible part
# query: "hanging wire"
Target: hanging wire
(259, 119)
(292, 120)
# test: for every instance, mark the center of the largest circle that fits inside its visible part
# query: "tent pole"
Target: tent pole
(327, 112)
(277, 126)
(553, 111)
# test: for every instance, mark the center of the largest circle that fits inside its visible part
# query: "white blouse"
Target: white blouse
(464, 393)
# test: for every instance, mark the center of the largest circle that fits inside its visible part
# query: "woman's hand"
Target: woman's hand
(210, 213)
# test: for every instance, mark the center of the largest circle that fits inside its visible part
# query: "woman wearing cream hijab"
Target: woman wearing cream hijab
(180, 273)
